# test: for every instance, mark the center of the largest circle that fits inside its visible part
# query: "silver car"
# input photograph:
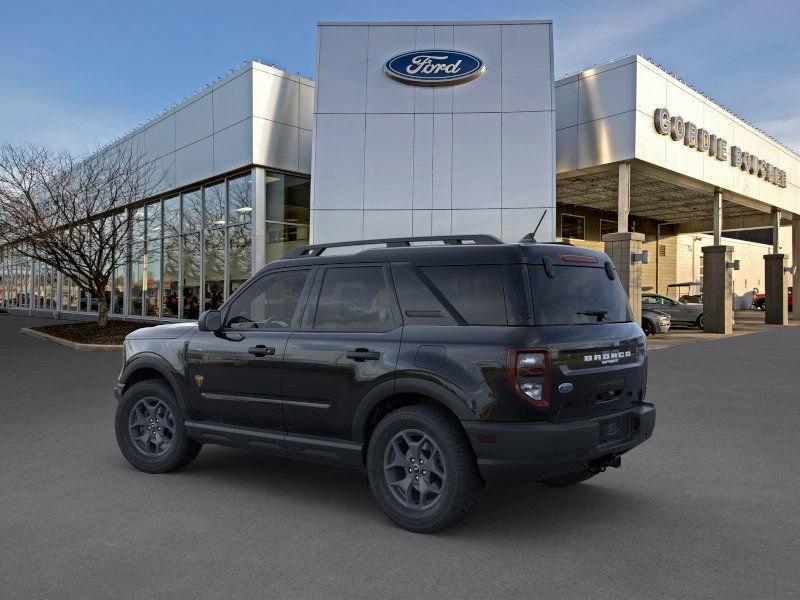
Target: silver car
(654, 321)
(680, 312)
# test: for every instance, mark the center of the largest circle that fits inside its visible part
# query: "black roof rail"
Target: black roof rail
(400, 242)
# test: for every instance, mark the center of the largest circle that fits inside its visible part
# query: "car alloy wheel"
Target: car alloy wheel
(151, 426)
(414, 469)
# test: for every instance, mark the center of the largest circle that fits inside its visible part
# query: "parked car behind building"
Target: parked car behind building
(655, 321)
(680, 313)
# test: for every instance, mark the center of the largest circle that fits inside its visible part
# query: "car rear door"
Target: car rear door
(347, 345)
(236, 375)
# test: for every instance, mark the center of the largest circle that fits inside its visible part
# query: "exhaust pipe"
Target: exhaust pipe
(601, 464)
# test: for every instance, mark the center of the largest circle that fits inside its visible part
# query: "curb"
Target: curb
(69, 344)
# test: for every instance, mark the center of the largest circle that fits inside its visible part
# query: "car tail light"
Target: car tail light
(529, 376)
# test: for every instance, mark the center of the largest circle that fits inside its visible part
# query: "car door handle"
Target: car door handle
(362, 354)
(262, 350)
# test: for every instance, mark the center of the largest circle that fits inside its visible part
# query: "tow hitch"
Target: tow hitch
(601, 464)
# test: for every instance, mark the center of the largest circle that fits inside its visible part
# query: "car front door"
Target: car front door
(348, 344)
(236, 374)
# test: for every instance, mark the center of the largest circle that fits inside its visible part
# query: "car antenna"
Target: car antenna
(530, 238)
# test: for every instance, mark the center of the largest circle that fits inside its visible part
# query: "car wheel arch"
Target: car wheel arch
(151, 366)
(405, 392)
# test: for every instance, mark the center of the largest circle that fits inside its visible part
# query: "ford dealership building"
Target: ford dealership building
(418, 129)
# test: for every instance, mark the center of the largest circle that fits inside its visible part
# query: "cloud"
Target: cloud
(39, 117)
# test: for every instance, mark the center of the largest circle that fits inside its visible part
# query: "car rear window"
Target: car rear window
(577, 295)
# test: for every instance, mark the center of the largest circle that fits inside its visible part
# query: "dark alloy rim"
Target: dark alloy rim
(413, 468)
(151, 426)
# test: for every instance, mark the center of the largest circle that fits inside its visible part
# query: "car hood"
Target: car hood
(696, 305)
(170, 331)
(654, 312)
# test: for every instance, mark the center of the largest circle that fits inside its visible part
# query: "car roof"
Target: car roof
(445, 254)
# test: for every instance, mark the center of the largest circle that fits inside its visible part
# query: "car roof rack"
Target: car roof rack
(400, 242)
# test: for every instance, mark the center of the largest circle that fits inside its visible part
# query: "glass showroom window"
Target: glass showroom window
(191, 276)
(214, 245)
(170, 276)
(191, 219)
(151, 262)
(214, 269)
(240, 215)
(288, 203)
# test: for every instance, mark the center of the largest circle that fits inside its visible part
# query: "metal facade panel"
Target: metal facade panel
(484, 93)
(338, 162)
(233, 101)
(341, 77)
(233, 147)
(194, 162)
(276, 98)
(476, 160)
(527, 164)
(276, 145)
(194, 121)
(567, 105)
(526, 76)
(383, 94)
(389, 168)
(607, 93)
(435, 153)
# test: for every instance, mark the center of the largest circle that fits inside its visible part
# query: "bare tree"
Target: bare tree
(70, 213)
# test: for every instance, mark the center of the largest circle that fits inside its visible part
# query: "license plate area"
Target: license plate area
(615, 429)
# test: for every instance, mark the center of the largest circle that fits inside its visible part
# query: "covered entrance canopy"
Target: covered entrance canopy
(641, 153)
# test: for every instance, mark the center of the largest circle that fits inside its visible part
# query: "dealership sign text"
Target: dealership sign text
(434, 67)
(706, 142)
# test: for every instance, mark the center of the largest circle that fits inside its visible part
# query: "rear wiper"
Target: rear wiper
(599, 313)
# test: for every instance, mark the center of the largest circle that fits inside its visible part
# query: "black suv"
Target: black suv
(438, 365)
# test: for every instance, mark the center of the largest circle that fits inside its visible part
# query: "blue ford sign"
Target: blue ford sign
(434, 67)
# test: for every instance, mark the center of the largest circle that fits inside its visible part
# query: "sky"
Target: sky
(74, 75)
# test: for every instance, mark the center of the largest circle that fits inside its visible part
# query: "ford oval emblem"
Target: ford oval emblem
(434, 67)
(565, 388)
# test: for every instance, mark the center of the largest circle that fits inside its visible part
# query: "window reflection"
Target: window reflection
(135, 286)
(170, 276)
(215, 215)
(214, 293)
(172, 216)
(152, 277)
(192, 211)
(191, 276)
(282, 238)
(239, 256)
(288, 208)
(239, 207)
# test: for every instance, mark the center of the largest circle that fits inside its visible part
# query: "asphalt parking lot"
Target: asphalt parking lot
(709, 508)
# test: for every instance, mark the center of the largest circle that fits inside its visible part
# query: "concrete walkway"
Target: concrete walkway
(746, 321)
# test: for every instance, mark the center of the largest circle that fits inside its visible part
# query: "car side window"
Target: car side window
(648, 300)
(269, 303)
(354, 299)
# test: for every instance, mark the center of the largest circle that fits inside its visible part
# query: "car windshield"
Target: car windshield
(577, 295)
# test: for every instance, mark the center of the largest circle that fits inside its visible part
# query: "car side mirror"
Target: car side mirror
(210, 320)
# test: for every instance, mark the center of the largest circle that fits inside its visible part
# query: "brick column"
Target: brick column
(777, 312)
(619, 247)
(717, 289)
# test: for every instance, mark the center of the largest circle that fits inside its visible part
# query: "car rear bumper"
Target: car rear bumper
(512, 454)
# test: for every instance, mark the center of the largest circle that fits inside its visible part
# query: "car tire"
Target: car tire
(649, 329)
(699, 321)
(569, 478)
(418, 496)
(150, 428)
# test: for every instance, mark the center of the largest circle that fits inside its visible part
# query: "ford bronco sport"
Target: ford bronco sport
(437, 365)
